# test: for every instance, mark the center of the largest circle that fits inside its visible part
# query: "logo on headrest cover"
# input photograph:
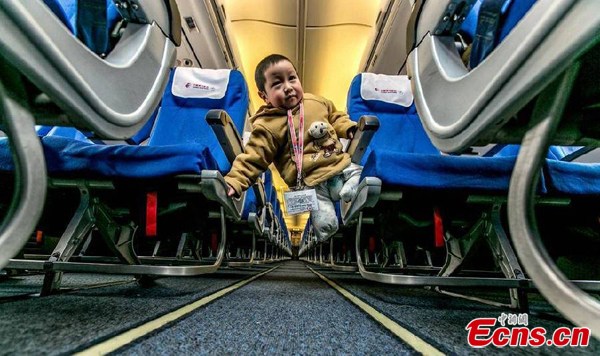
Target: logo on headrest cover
(200, 83)
(389, 91)
(393, 89)
(199, 86)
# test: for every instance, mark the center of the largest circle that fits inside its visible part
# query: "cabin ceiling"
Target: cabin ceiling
(326, 39)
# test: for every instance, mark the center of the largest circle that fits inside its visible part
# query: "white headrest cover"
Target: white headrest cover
(200, 83)
(394, 89)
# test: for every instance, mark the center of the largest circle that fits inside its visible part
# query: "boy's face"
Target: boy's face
(282, 86)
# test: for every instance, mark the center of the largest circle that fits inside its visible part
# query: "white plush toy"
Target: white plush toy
(323, 135)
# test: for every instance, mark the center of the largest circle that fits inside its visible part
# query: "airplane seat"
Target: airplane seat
(425, 192)
(195, 95)
(304, 241)
(256, 219)
(284, 242)
(70, 88)
(181, 141)
(266, 232)
(250, 205)
(282, 233)
(534, 87)
(269, 192)
(275, 203)
(390, 98)
(483, 37)
(281, 237)
(515, 67)
(180, 164)
(268, 183)
(92, 23)
(274, 212)
(402, 154)
(192, 93)
(579, 181)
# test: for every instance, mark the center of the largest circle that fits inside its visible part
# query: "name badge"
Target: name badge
(300, 201)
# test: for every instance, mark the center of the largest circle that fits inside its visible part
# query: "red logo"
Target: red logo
(514, 332)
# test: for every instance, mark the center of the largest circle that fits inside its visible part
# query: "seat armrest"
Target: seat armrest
(367, 126)
(259, 193)
(226, 133)
(231, 143)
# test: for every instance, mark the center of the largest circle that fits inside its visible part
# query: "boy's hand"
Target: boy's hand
(230, 191)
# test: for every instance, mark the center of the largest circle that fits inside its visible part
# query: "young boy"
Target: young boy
(297, 124)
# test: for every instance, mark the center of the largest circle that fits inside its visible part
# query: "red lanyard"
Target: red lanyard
(297, 142)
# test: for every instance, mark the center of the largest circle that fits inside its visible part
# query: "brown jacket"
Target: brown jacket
(270, 143)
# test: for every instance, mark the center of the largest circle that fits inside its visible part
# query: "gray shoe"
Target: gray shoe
(348, 191)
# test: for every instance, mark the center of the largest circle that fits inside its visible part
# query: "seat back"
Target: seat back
(268, 182)
(92, 21)
(390, 99)
(65, 10)
(487, 28)
(190, 94)
(97, 35)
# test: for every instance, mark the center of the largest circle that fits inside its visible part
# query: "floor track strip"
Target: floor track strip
(402, 333)
(133, 334)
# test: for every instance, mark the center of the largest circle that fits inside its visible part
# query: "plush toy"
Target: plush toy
(323, 135)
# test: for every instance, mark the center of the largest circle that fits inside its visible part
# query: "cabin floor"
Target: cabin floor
(286, 308)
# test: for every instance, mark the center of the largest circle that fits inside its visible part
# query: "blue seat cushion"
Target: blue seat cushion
(66, 157)
(430, 171)
(573, 178)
